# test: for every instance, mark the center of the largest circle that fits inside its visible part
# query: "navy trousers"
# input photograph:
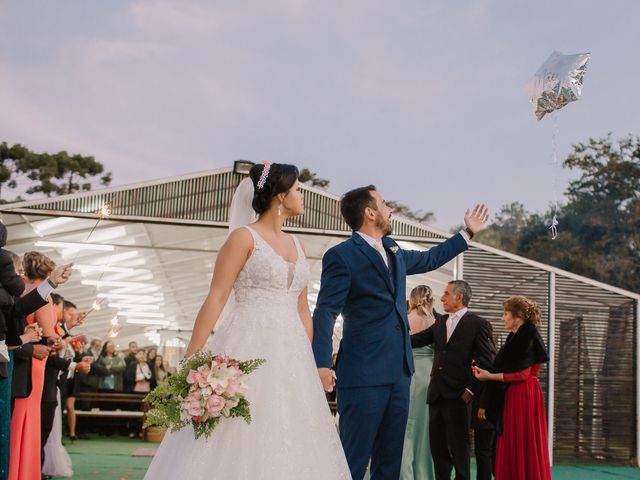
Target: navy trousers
(372, 425)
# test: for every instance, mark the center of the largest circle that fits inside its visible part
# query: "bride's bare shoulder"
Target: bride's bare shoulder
(299, 240)
(240, 238)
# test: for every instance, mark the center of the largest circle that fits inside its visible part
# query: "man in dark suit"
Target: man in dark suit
(128, 360)
(484, 432)
(55, 367)
(459, 338)
(90, 381)
(11, 285)
(364, 280)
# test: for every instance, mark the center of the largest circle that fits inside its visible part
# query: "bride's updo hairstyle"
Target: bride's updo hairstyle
(279, 178)
(524, 308)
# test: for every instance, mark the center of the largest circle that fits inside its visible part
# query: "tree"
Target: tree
(61, 173)
(507, 228)
(405, 211)
(600, 224)
(8, 169)
(51, 174)
(312, 178)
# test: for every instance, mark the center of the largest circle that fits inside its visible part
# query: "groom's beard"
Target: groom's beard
(384, 225)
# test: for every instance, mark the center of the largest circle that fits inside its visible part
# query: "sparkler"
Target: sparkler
(115, 327)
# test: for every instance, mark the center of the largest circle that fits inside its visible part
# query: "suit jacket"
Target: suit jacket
(91, 381)
(11, 285)
(16, 322)
(9, 280)
(481, 395)
(375, 347)
(54, 367)
(451, 373)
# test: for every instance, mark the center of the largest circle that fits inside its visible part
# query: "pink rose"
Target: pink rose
(196, 395)
(219, 389)
(232, 387)
(192, 377)
(214, 405)
(203, 374)
(195, 409)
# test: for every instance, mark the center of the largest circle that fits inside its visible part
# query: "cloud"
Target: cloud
(101, 51)
(172, 17)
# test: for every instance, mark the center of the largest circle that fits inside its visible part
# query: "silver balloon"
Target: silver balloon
(557, 82)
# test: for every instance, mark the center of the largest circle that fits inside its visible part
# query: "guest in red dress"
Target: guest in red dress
(515, 400)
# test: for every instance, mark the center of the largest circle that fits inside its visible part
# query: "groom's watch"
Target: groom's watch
(469, 232)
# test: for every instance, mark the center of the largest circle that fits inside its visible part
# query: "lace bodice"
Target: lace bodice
(267, 277)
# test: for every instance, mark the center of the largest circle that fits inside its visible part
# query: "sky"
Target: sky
(425, 99)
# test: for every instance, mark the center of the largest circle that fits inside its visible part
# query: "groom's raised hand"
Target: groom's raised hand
(477, 218)
(328, 379)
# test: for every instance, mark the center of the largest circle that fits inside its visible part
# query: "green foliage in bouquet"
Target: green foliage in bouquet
(182, 400)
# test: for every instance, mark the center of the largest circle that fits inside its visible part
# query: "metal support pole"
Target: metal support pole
(551, 377)
(458, 267)
(637, 330)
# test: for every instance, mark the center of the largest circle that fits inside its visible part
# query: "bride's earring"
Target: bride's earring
(279, 209)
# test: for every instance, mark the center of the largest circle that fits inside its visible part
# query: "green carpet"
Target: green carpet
(109, 458)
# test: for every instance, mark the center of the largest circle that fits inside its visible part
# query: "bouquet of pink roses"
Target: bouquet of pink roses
(207, 388)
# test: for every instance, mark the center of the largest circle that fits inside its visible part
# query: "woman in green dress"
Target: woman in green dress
(416, 456)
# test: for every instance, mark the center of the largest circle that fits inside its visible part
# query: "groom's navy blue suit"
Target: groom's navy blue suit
(376, 363)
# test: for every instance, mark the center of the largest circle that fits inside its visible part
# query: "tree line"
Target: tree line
(599, 230)
(47, 173)
(599, 222)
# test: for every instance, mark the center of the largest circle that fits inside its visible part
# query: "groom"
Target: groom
(364, 280)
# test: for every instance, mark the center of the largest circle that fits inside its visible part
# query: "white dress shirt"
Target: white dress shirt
(377, 245)
(452, 323)
(453, 320)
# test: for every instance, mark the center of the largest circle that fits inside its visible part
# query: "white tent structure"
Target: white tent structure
(150, 263)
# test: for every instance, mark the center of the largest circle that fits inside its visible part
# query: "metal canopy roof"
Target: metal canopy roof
(152, 261)
(160, 242)
(162, 237)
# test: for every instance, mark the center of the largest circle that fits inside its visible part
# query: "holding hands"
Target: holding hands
(328, 379)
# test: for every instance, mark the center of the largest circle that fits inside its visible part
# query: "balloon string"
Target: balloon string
(554, 178)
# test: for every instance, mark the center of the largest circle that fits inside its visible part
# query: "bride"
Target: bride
(264, 271)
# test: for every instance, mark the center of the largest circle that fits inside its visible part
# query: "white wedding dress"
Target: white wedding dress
(57, 462)
(292, 434)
